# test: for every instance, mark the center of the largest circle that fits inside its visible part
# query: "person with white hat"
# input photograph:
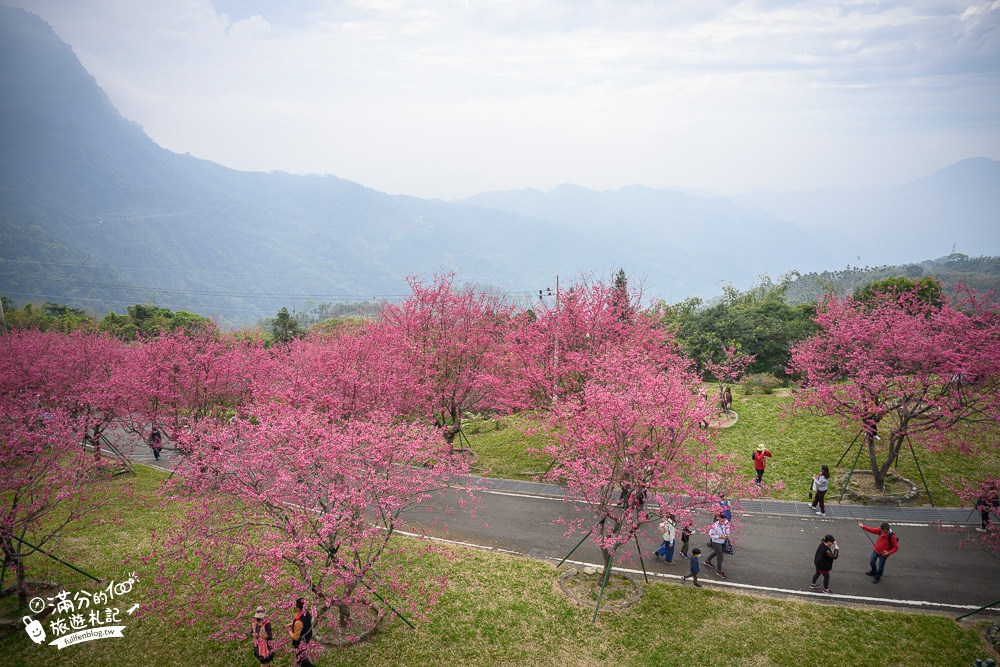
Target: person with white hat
(260, 631)
(760, 461)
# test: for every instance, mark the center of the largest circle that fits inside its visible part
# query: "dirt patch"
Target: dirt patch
(584, 587)
(898, 490)
(365, 622)
(723, 420)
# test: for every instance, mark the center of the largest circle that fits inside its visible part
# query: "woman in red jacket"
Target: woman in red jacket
(760, 462)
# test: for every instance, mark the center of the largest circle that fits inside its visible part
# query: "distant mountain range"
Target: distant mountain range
(93, 214)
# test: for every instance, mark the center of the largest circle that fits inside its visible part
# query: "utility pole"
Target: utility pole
(555, 352)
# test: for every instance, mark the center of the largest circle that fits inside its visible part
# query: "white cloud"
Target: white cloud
(247, 29)
(447, 98)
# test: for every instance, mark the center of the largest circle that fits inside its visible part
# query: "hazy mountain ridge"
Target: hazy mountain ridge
(957, 206)
(92, 189)
(695, 243)
(99, 185)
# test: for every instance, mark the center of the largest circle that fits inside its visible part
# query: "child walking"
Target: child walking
(695, 567)
(686, 532)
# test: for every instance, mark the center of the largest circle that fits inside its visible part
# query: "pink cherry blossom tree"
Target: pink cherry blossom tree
(634, 427)
(349, 373)
(899, 369)
(305, 495)
(454, 341)
(553, 348)
(178, 379)
(981, 495)
(54, 395)
(300, 502)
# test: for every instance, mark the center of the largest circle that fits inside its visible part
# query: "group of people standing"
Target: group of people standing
(718, 537)
(820, 482)
(886, 545)
(299, 631)
(828, 551)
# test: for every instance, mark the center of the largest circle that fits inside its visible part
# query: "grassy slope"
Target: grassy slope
(800, 444)
(501, 610)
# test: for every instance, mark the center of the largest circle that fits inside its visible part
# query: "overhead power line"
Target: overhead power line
(249, 295)
(224, 293)
(172, 306)
(162, 270)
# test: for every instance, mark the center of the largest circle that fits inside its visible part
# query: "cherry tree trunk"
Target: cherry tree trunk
(880, 470)
(12, 556)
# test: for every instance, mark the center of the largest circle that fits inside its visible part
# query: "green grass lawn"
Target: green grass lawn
(800, 445)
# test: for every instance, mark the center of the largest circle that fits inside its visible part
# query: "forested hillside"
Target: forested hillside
(979, 273)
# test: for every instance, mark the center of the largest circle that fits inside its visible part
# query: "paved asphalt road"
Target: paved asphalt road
(773, 556)
(774, 549)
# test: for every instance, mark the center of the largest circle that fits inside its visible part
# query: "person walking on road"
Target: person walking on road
(156, 442)
(760, 462)
(826, 553)
(724, 507)
(886, 545)
(718, 534)
(821, 483)
(988, 502)
(668, 527)
(694, 568)
(687, 530)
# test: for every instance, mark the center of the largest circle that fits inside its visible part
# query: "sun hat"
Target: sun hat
(761, 447)
(260, 613)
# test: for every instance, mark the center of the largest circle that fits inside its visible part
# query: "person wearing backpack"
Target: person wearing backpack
(300, 630)
(886, 545)
(988, 502)
(669, 529)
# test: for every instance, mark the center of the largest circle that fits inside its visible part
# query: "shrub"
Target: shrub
(760, 383)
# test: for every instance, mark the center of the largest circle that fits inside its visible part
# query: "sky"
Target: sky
(446, 99)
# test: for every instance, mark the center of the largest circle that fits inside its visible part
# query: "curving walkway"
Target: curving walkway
(774, 547)
(950, 515)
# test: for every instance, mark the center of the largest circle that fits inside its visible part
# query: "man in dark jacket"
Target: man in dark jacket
(886, 545)
(826, 553)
